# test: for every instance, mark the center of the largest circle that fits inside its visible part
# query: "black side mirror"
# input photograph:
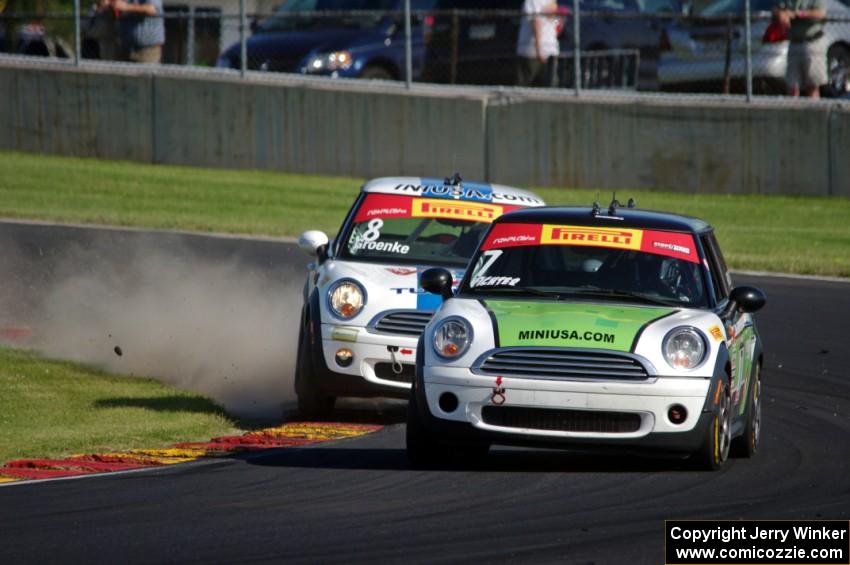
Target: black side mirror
(437, 281)
(255, 25)
(747, 299)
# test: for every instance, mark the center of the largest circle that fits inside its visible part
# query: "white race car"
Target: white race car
(583, 329)
(364, 308)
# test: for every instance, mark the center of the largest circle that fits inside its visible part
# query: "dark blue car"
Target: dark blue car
(344, 38)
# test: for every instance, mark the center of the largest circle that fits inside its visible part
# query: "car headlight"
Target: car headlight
(346, 298)
(452, 337)
(684, 348)
(329, 62)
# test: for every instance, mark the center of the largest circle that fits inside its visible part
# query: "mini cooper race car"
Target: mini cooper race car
(364, 308)
(583, 329)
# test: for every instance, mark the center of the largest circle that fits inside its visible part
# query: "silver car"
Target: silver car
(707, 50)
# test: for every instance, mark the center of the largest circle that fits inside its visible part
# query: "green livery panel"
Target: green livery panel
(588, 326)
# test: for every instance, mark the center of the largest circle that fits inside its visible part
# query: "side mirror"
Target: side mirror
(437, 281)
(313, 242)
(747, 298)
(255, 25)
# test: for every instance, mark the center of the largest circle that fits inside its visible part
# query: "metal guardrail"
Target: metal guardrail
(611, 69)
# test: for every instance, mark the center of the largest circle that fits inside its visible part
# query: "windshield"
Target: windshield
(408, 229)
(558, 262)
(295, 14)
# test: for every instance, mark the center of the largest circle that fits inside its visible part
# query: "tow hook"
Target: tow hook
(397, 366)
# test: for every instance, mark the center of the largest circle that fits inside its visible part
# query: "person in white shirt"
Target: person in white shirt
(537, 45)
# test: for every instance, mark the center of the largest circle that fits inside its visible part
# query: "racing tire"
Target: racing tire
(718, 436)
(427, 451)
(747, 444)
(376, 72)
(838, 68)
(313, 402)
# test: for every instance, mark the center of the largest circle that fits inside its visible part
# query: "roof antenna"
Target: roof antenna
(595, 211)
(612, 209)
(632, 203)
(453, 180)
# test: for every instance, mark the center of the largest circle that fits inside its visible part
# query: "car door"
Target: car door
(739, 326)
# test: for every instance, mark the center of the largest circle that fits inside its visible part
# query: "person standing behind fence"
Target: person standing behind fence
(103, 30)
(142, 29)
(537, 45)
(804, 21)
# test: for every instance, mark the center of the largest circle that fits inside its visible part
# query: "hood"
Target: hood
(579, 325)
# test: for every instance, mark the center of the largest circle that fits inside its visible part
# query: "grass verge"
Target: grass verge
(803, 235)
(54, 409)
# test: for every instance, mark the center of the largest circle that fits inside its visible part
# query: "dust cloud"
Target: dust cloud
(221, 327)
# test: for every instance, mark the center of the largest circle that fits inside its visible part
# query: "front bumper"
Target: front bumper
(371, 370)
(649, 400)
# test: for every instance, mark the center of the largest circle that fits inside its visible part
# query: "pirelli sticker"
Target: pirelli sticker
(596, 237)
(385, 206)
(671, 244)
(455, 210)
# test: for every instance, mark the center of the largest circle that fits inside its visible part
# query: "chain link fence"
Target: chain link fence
(717, 46)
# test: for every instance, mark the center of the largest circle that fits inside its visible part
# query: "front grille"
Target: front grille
(590, 421)
(385, 371)
(404, 322)
(564, 364)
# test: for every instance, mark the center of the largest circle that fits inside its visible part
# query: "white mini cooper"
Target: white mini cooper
(364, 307)
(583, 328)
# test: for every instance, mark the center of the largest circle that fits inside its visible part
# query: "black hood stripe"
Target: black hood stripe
(646, 325)
(493, 321)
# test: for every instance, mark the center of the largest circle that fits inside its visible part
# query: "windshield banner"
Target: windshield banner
(389, 206)
(670, 244)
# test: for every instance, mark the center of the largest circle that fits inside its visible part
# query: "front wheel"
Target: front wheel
(376, 72)
(427, 451)
(715, 448)
(423, 450)
(838, 67)
(748, 443)
(313, 402)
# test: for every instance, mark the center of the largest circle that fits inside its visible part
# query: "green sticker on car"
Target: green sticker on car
(588, 326)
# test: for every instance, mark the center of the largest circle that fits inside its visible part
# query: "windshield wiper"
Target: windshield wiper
(517, 289)
(626, 294)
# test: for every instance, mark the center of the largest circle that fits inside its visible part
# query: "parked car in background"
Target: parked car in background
(695, 50)
(345, 38)
(33, 39)
(477, 43)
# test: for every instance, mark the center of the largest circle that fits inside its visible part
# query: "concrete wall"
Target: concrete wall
(719, 148)
(76, 113)
(316, 130)
(363, 130)
(224, 122)
(839, 151)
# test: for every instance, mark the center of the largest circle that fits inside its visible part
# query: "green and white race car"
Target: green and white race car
(585, 328)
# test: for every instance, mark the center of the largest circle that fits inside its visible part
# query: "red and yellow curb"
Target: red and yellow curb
(292, 434)
(15, 332)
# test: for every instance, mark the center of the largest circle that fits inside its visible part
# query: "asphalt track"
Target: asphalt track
(357, 500)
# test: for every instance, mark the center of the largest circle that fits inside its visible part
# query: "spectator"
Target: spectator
(537, 45)
(804, 20)
(142, 29)
(103, 30)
